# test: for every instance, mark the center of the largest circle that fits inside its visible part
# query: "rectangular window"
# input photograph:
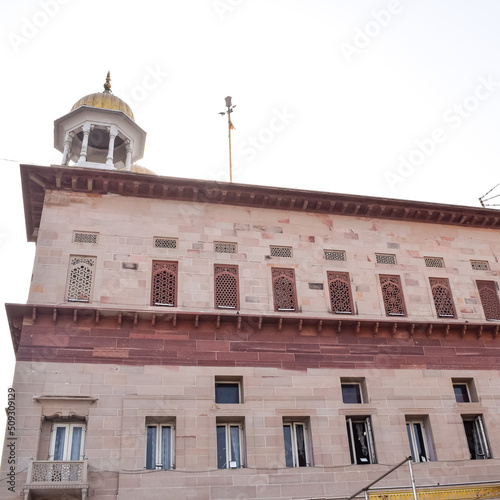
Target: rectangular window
(465, 390)
(461, 393)
(284, 291)
(281, 251)
(223, 247)
(476, 437)
(392, 294)
(229, 445)
(339, 286)
(67, 441)
(443, 301)
(297, 452)
(352, 394)
(385, 258)
(419, 441)
(489, 298)
(361, 445)
(165, 242)
(434, 262)
(81, 237)
(160, 446)
(164, 284)
(335, 255)
(226, 287)
(81, 277)
(227, 392)
(480, 265)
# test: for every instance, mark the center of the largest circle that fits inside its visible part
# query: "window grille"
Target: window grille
(392, 294)
(165, 243)
(226, 287)
(434, 262)
(489, 299)
(340, 292)
(81, 276)
(443, 301)
(385, 258)
(85, 237)
(281, 251)
(285, 295)
(221, 247)
(164, 284)
(334, 255)
(480, 265)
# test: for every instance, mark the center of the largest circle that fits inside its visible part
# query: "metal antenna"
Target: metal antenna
(230, 126)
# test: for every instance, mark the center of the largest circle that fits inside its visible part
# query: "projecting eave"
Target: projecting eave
(36, 180)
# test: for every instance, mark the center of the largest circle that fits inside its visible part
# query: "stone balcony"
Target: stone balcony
(56, 479)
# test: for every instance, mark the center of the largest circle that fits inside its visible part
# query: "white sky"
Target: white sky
(358, 81)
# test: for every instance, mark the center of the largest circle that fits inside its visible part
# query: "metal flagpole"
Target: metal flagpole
(230, 126)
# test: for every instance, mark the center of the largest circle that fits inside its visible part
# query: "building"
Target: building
(189, 339)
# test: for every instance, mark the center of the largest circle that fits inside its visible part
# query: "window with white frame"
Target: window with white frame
(67, 441)
(419, 440)
(297, 448)
(361, 446)
(465, 390)
(352, 393)
(476, 437)
(229, 445)
(160, 452)
(227, 391)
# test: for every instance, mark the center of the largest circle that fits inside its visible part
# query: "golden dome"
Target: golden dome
(138, 169)
(105, 100)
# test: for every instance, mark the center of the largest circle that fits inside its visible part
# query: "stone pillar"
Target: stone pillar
(128, 160)
(85, 143)
(113, 132)
(67, 147)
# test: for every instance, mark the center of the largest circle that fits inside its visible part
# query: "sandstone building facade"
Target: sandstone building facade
(189, 339)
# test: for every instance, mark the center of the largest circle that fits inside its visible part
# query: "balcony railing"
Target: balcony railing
(56, 475)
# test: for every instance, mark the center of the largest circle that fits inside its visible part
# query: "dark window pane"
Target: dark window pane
(166, 442)
(76, 443)
(351, 393)
(59, 446)
(301, 446)
(221, 447)
(287, 434)
(419, 438)
(151, 448)
(227, 393)
(461, 394)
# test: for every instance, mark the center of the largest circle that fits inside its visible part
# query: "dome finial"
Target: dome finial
(107, 84)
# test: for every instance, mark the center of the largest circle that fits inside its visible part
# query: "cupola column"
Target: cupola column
(68, 139)
(128, 159)
(113, 132)
(85, 143)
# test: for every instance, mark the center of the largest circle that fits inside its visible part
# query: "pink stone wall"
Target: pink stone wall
(126, 237)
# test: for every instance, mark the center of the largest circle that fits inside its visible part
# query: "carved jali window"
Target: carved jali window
(165, 243)
(79, 237)
(434, 261)
(224, 247)
(226, 287)
(81, 276)
(480, 265)
(340, 292)
(392, 294)
(164, 284)
(280, 251)
(334, 255)
(284, 291)
(489, 299)
(441, 292)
